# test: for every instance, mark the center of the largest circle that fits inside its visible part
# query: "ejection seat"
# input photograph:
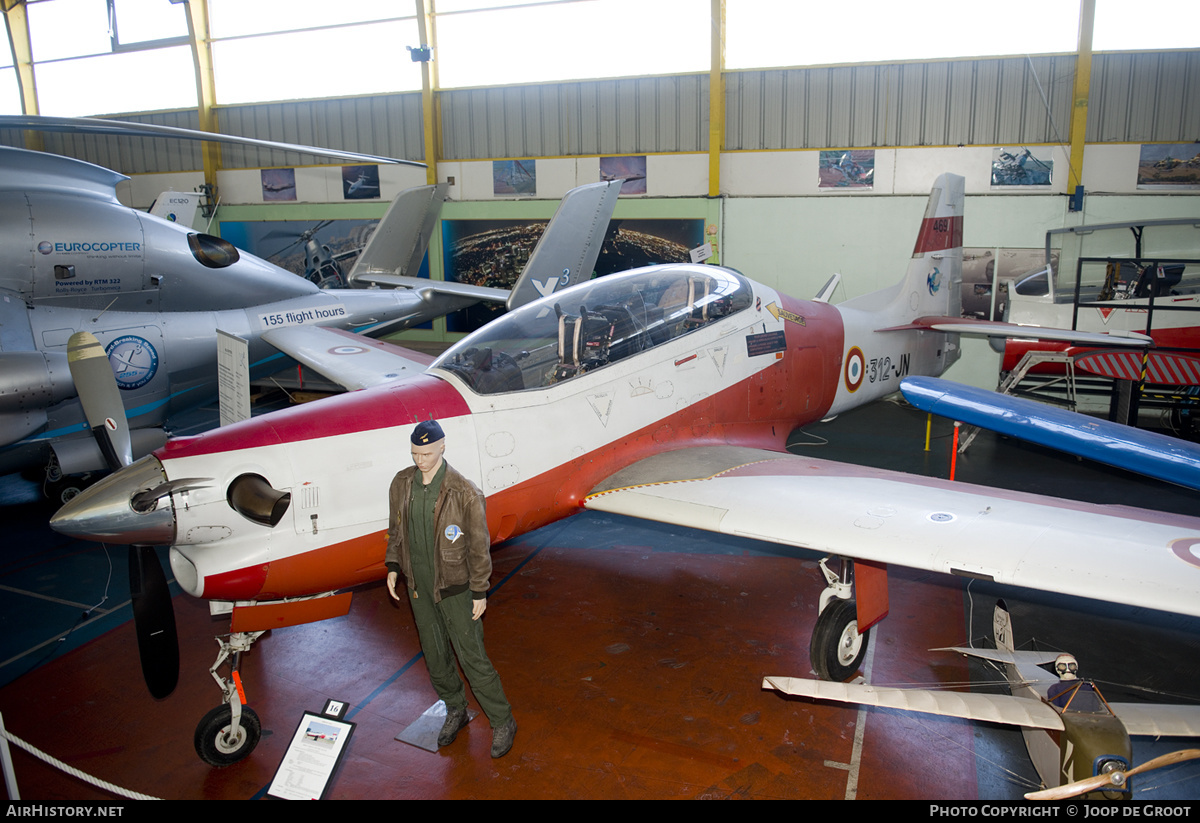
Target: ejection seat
(1157, 280)
(583, 342)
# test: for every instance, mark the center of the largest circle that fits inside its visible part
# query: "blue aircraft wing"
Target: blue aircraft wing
(1155, 455)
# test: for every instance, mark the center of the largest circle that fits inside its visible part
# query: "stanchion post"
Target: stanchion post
(10, 777)
(954, 450)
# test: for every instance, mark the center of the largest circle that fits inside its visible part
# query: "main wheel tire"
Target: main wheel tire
(837, 649)
(213, 742)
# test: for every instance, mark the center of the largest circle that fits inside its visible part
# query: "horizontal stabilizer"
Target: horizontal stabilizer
(350, 360)
(448, 288)
(1154, 455)
(992, 708)
(985, 328)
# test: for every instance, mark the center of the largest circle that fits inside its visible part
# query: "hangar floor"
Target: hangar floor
(632, 653)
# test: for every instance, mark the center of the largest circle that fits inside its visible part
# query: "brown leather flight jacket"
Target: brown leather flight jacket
(463, 559)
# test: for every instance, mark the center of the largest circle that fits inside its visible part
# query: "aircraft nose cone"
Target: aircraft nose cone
(105, 511)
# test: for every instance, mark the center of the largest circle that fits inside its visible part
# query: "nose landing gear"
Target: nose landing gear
(229, 732)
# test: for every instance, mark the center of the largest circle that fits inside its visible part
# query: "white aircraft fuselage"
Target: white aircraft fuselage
(758, 366)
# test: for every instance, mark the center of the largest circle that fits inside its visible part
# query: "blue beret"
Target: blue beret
(426, 432)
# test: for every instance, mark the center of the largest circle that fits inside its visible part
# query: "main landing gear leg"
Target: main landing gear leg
(837, 649)
(230, 731)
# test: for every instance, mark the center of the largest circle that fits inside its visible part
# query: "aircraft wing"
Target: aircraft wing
(1113, 553)
(350, 360)
(1155, 455)
(1016, 658)
(993, 708)
(1156, 720)
(1027, 664)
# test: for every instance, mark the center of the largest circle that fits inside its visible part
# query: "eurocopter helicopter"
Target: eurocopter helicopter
(1077, 740)
(153, 292)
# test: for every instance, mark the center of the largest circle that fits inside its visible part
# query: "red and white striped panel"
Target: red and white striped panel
(1166, 368)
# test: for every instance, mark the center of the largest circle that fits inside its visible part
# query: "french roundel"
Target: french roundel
(854, 369)
(1187, 550)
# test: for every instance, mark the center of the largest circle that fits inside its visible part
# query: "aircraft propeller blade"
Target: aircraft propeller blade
(154, 620)
(1115, 779)
(153, 615)
(100, 397)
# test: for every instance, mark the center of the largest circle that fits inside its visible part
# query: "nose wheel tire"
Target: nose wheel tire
(837, 649)
(216, 746)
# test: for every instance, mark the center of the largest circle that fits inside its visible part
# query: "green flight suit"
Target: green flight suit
(444, 623)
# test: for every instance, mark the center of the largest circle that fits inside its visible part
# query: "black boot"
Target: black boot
(456, 719)
(502, 738)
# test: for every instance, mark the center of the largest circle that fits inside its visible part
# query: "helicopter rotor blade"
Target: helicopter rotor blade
(120, 128)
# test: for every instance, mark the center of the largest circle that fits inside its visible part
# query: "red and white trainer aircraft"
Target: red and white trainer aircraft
(665, 393)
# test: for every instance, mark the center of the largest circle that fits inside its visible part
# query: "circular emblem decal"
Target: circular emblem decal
(134, 361)
(347, 350)
(1187, 550)
(45, 247)
(453, 533)
(854, 369)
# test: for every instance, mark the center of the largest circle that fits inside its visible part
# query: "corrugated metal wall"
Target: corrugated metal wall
(975, 102)
(630, 116)
(1135, 97)
(386, 125)
(1145, 97)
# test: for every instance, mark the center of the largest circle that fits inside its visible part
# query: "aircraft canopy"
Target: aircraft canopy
(594, 324)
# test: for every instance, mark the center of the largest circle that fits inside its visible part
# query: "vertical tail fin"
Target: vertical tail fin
(933, 284)
(567, 251)
(398, 245)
